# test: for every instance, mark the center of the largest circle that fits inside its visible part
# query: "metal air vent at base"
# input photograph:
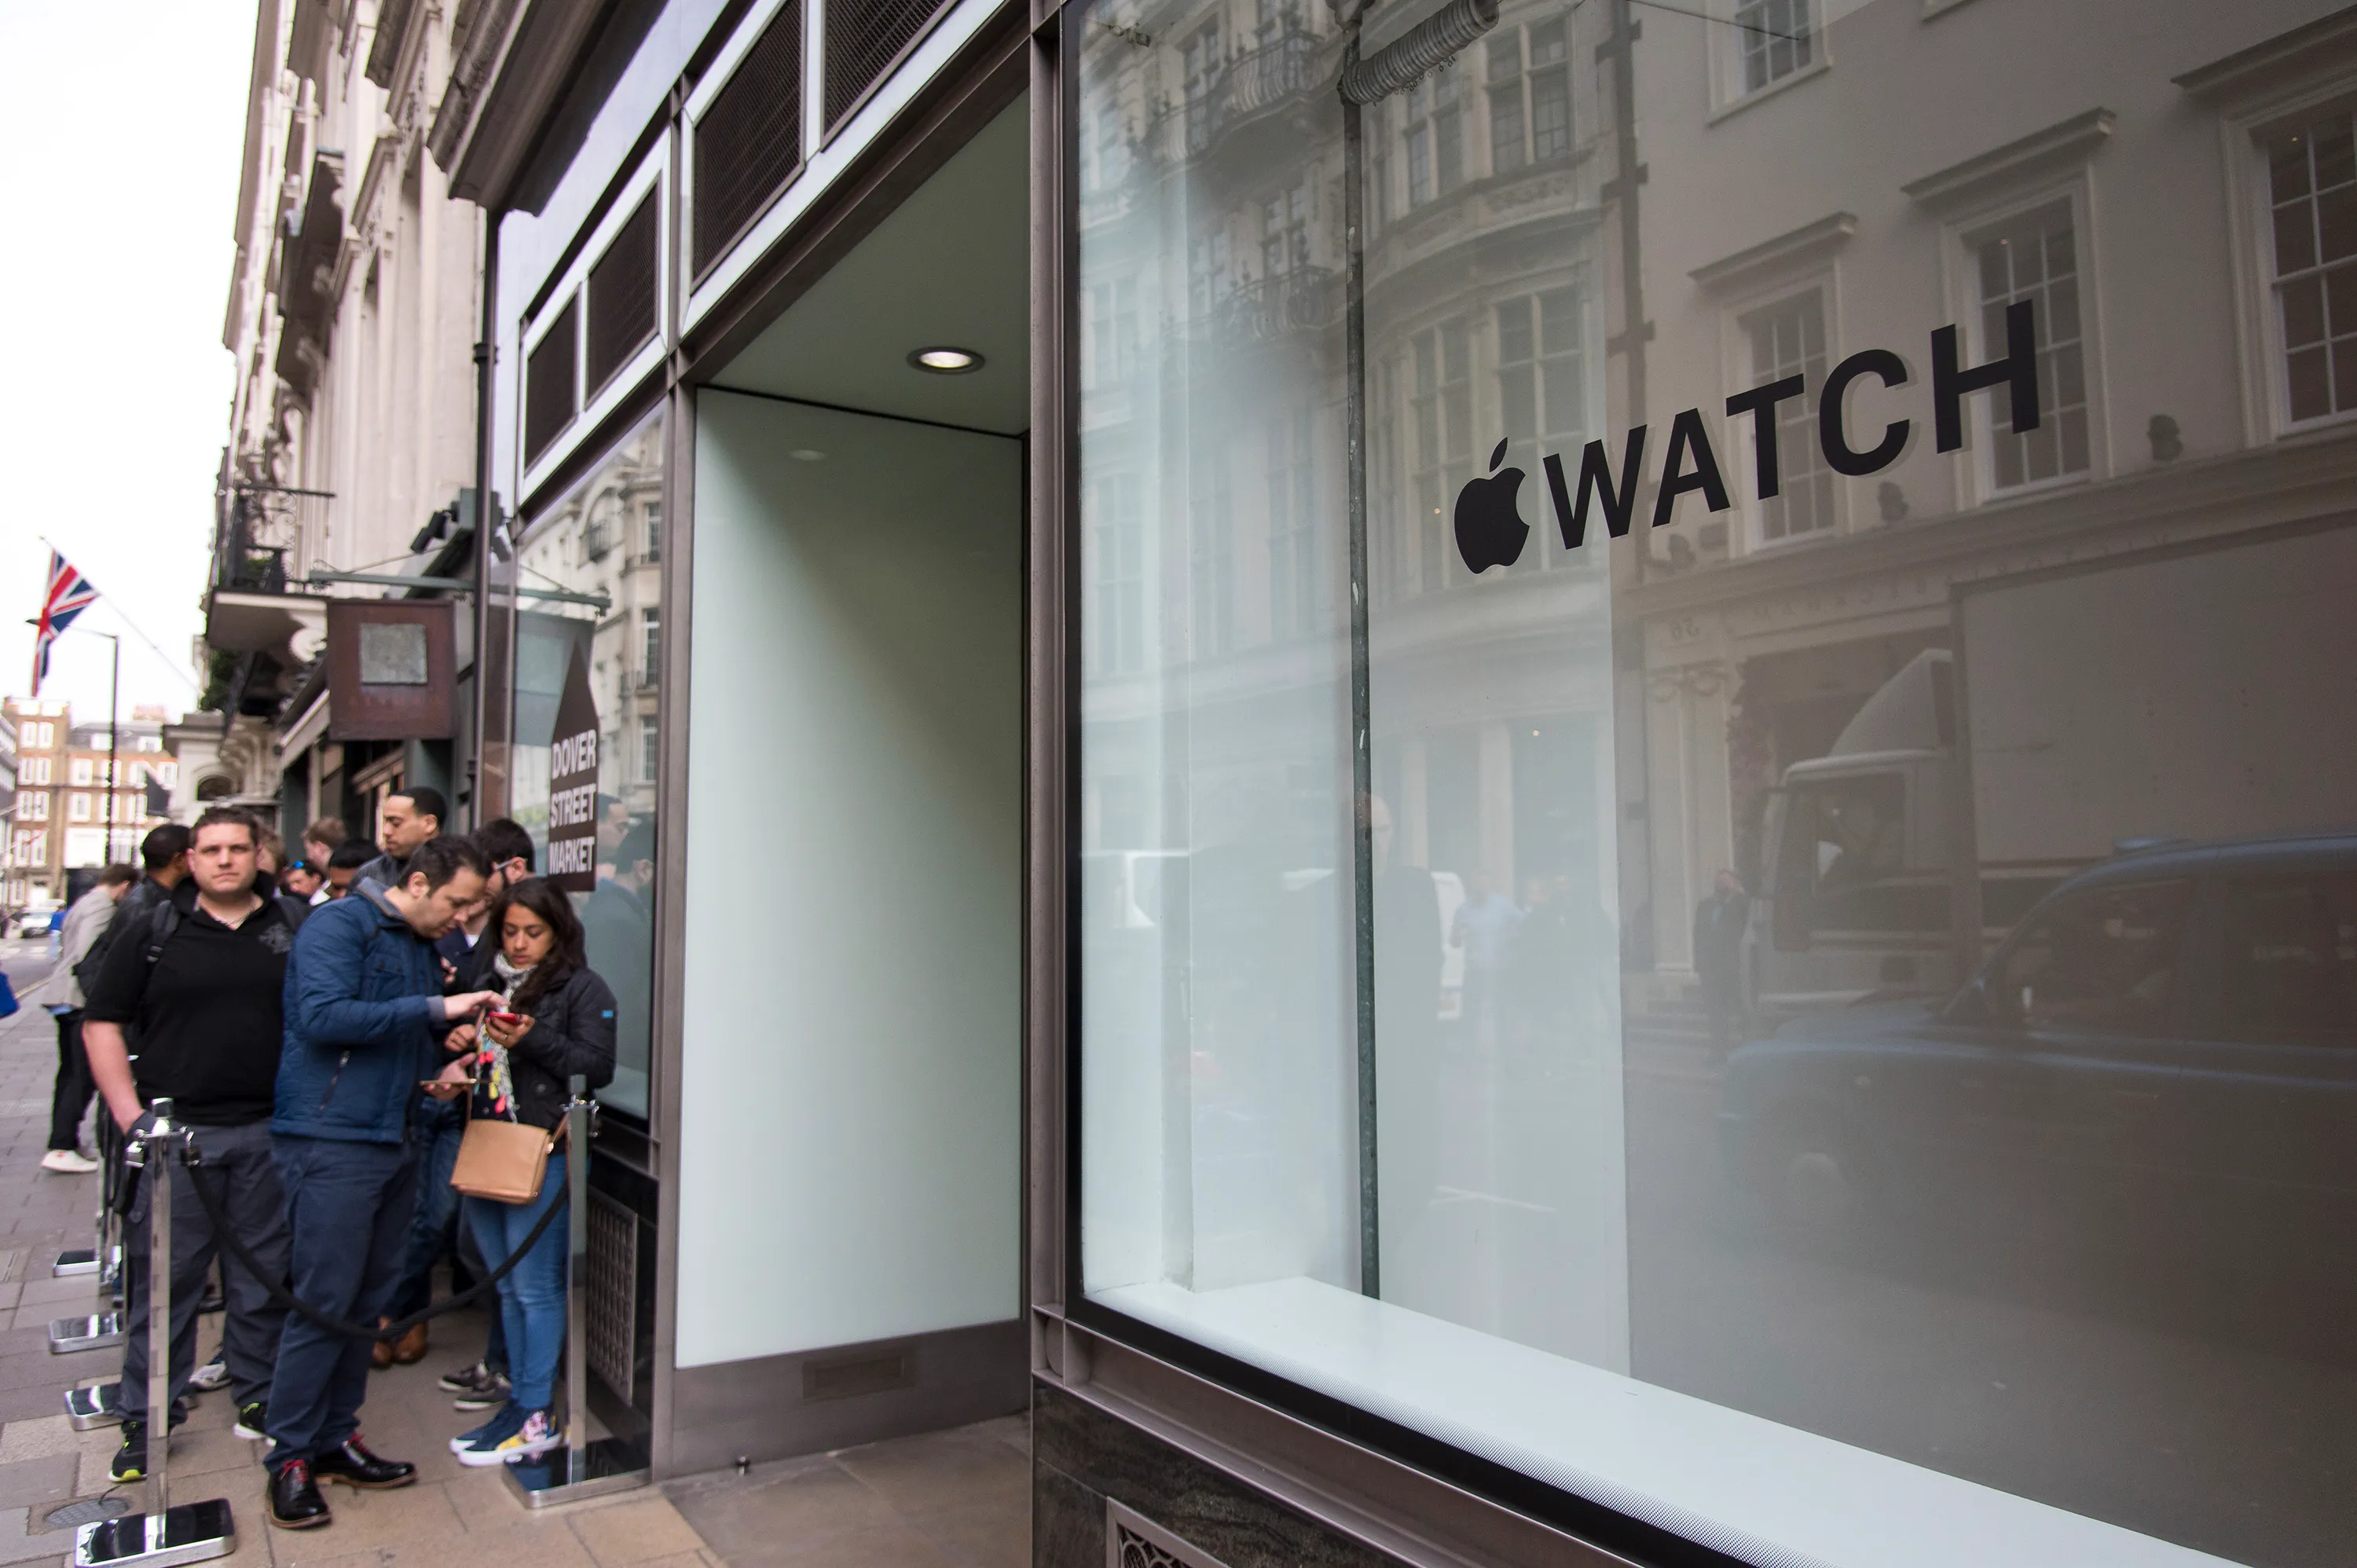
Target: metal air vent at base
(1133, 1540)
(610, 1307)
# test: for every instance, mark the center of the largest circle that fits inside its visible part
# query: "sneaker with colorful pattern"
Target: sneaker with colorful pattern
(516, 1434)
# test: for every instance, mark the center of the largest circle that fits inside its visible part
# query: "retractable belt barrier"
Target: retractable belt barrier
(278, 1292)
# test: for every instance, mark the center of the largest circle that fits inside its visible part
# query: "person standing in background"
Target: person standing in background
(321, 840)
(62, 994)
(344, 868)
(407, 821)
(1719, 922)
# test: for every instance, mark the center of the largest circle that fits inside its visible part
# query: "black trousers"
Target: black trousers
(71, 1098)
(237, 1162)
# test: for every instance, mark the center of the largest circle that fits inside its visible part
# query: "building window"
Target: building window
(650, 645)
(1207, 272)
(2313, 184)
(35, 808)
(650, 530)
(78, 808)
(1550, 90)
(1434, 138)
(80, 767)
(1509, 126)
(1775, 38)
(1788, 338)
(1284, 231)
(40, 855)
(649, 746)
(1292, 548)
(2034, 257)
(1542, 373)
(1117, 573)
(1200, 60)
(1104, 150)
(1442, 410)
(1109, 334)
(36, 770)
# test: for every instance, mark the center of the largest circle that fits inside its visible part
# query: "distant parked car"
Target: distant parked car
(2163, 1053)
(32, 923)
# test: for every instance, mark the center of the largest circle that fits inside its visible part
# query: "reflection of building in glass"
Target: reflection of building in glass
(2167, 375)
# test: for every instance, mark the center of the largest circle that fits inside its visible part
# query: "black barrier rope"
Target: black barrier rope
(349, 1329)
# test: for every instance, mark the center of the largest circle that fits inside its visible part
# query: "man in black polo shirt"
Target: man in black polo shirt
(200, 981)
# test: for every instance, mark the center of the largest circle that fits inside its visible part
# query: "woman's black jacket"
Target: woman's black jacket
(572, 1032)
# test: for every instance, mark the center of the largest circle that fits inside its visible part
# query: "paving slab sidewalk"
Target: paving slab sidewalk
(953, 1499)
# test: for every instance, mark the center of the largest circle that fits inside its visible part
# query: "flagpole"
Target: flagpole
(114, 739)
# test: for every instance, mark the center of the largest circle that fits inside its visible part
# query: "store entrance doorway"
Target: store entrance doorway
(850, 1088)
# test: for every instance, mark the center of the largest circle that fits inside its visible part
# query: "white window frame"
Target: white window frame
(2266, 392)
(1723, 41)
(1733, 437)
(653, 174)
(1974, 481)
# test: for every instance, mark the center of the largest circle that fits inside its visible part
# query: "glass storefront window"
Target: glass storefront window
(598, 544)
(1844, 1045)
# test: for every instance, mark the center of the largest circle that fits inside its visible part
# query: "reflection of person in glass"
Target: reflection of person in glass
(619, 920)
(1719, 926)
(1484, 927)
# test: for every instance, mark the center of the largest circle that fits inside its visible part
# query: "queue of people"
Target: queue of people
(326, 1025)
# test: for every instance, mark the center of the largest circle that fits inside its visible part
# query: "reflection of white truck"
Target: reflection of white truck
(2194, 692)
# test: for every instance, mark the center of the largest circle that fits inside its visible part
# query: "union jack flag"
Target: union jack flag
(69, 593)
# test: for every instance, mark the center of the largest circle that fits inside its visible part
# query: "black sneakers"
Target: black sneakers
(130, 1459)
(478, 1387)
(294, 1499)
(250, 1417)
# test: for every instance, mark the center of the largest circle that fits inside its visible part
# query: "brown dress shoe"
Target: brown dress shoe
(410, 1349)
(380, 1353)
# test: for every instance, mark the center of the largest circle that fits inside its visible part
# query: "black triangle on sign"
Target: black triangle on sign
(572, 863)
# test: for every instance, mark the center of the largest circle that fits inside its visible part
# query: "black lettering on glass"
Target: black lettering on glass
(1760, 403)
(1687, 438)
(1596, 473)
(1832, 433)
(2017, 369)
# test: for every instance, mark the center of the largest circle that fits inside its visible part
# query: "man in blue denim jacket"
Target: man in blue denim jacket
(366, 1020)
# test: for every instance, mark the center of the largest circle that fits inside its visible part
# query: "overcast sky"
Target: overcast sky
(123, 124)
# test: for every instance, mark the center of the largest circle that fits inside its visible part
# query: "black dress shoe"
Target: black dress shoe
(354, 1465)
(294, 1499)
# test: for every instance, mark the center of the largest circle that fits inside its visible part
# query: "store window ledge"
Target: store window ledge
(1739, 1484)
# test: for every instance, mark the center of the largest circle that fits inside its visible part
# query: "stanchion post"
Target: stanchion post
(577, 1281)
(164, 1536)
(608, 1465)
(157, 1159)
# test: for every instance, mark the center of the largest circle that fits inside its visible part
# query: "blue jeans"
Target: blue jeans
(531, 1297)
(348, 1213)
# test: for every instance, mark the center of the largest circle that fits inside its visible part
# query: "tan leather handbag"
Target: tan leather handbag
(506, 1161)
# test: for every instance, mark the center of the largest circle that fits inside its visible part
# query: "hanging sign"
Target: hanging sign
(573, 785)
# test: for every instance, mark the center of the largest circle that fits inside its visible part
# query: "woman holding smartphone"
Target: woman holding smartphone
(557, 1020)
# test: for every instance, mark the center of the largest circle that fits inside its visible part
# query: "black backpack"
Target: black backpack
(163, 920)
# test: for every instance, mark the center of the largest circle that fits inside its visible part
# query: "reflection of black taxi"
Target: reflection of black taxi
(2166, 1044)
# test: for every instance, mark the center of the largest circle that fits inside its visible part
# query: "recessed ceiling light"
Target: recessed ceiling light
(806, 455)
(944, 361)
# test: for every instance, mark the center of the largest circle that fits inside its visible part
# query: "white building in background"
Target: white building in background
(353, 310)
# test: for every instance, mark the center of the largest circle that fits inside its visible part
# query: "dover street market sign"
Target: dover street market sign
(573, 785)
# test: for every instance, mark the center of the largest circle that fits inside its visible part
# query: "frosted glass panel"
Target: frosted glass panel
(850, 1097)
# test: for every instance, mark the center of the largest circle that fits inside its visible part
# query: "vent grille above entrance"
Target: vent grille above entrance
(864, 39)
(750, 142)
(550, 385)
(622, 296)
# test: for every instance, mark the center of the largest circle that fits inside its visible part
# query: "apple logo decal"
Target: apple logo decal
(1489, 527)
